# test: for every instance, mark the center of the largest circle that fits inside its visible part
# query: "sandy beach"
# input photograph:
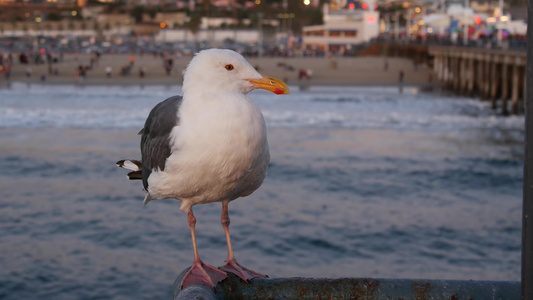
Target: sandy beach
(367, 70)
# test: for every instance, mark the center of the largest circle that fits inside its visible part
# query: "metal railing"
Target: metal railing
(349, 288)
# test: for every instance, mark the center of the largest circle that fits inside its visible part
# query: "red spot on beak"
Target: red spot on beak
(279, 91)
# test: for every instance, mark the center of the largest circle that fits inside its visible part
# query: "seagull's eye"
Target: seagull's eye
(229, 67)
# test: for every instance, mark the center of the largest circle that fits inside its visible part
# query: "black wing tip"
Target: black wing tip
(135, 175)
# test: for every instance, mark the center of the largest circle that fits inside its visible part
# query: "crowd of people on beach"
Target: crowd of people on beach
(6, 61)
(27, 60)
(81, 70)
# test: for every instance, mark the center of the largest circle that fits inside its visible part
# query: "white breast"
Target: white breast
(219, 152)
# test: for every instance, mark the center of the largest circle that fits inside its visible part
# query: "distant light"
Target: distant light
(74, 13)
(420, 22)
(307, 2)
(417, 10)
(38, 19)
(371, 19)
(364, 6)
(257, 2)
(504, 18)
(351, 6)
(491, 19)
(477, 20)
(42, 51)
(430, 30)
(162, 25)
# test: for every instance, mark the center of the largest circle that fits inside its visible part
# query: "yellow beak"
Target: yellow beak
(274, 85)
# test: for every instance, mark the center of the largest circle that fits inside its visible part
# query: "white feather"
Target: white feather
(130, 166)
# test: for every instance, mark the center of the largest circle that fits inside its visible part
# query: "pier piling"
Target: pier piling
(515, 89)
(490, 74)
(493, 74)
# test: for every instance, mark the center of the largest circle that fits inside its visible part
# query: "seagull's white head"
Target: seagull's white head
(226, 71)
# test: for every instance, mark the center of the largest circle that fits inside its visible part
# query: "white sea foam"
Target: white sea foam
(67, 106)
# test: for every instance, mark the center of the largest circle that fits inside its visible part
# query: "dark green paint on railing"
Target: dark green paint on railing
(351, 288)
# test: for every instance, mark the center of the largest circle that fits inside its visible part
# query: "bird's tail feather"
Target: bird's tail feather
(135, 175)
(130, 164)
(134, 165)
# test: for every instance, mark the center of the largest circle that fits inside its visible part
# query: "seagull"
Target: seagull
(209, 145)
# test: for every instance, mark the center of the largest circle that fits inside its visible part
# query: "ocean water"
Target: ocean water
(363, 182)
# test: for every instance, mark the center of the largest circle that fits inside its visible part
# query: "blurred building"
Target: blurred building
(481, 19)
(347, 24)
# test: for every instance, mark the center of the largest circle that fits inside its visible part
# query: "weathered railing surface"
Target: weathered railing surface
(350, 288)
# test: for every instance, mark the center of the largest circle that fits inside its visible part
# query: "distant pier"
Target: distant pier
(486, 73)
(491, 74)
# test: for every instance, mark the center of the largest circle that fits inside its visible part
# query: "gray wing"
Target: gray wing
(155, 140)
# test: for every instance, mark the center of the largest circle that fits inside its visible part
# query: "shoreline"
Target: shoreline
(305, 85)
(417, 88)
(336, 71)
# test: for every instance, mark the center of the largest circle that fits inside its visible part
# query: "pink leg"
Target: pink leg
(200, 272)
(231, 264)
